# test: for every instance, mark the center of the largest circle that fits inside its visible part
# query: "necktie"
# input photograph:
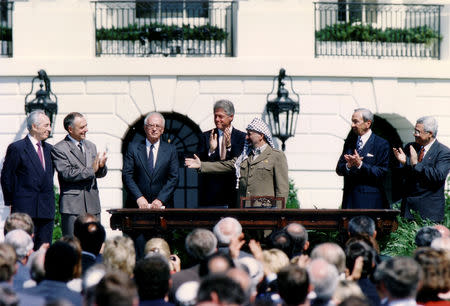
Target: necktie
(150, 159)
(80, 146)
(39, 152)
(421, 154)
(223, 149)
(359, 145)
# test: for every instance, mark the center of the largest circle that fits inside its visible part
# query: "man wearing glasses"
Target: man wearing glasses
(150, 168)
(425, 164)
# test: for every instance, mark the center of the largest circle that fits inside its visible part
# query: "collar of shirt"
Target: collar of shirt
(427, 147)
(257, 151)
(221, 132)
(34, 141)
(155, 145)
(365, 137)
(403, 302)
(89, 254)
(76, 142)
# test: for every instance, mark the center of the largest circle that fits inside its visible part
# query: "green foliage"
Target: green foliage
(162, 32)
(292, 201)
(5, 34)
(360, 32)
(57, 232)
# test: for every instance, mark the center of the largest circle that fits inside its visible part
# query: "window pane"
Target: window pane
(197, 8)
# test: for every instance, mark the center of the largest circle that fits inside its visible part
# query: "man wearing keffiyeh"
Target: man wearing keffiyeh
(261, 170)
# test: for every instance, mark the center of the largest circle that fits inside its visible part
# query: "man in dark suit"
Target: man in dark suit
(27, 177)
(78, 165)
(363, 164)
(222, 143)
(150, 168)
(425, 165)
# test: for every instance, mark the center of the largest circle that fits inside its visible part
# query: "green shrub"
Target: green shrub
(292, 201)
(57, 232)
(5, 34)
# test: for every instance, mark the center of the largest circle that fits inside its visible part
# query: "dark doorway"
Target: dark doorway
(185, 134)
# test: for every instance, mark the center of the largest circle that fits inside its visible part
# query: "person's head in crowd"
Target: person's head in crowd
(36, 265)
(372, 242)
(119, 254)
(445, 232)
(345, 289)
(8, 261)
(299, 238)
(243, 279)
(220, 289)
(90, 279)
(152, 277)
(216, 263)
(22, 243)
(425, 236)
(75, 243)
(91, 236)
(159, 245)
(60, 262)
(253, 267)
(361, 225)
(80, 220)
(227, 229)
(436, 273)
(332, 253)
(441, 243)
(19, 220)
(324, 278)
(200, 243)
(293, 285)
(186, 294)
(280, 240)
(274, 260)
(8, 297)
(116, 288)
(398, 278)
(357, 249)
(355, 301)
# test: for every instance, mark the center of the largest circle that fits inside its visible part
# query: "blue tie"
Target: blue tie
(150, 159)
(359, 145)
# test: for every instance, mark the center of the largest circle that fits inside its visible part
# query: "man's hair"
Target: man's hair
(7, 262)
(293, 283)
(152, 275)
(33, 118)
(426, 235)
(200, 243)
(80, 220)
(115, 288)
(19, 220)
(274, 260)
(299, 237)
(91, 236)
(226, 229)
(360, 249)
(355, 301)
(119, 254)
(222, 261)
(60, 261)
(429, 124)
(69, 119)
(365, 113)
(21, 242)
(400, 275)
(282, 241)
(332, 253)
(227, 290)
(361, 225)
(227, 106)
(155, 114)
(8, 297)
(324, 277)
(36, 264)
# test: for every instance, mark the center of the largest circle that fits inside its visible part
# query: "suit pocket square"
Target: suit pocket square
(369, 155)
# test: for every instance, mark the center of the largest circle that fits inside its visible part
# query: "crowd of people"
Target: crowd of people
(225, 268)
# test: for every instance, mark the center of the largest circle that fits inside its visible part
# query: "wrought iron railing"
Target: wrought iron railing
(165, 27)
(6, 13)
(377, 30)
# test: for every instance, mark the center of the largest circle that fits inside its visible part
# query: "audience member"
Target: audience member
(280, 240)
(36, 266)
(186, 294)
(445, 232)
(425, 236)
(243, 279)
(219, 289)
(293, 285)
(361, 225)
(324, 279)
(345, 289)
(299, 238)
(23, 245)
(254, 268)
(441, 243)
(90, 279)
(91, 236)
(116, 288)
(119, 254)
(61, 260)
(152, 277)
(19, 220)
(75, 283)
(159, 245)
(225, 230)
(332, 253)
(216, 263)
(356, 301)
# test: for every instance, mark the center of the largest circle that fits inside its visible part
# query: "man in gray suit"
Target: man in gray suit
(78, 165)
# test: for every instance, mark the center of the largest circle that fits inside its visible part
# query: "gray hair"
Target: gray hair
(20, 241)
(429, 124)
(324, 277)
(227, 106)
(200, 243)
(366, 114)
(155, 114)
(331, 253)
(33, 118)
(226, 229)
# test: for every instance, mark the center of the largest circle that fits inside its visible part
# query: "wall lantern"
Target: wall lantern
(282, 110)
(42, 100)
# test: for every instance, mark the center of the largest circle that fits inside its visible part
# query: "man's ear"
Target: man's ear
(306, 246)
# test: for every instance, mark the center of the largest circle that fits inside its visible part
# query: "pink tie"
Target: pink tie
(41, 157)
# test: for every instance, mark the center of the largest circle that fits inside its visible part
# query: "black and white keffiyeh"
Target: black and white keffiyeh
(259, 126)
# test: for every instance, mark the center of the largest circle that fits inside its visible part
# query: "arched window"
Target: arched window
(185, 134)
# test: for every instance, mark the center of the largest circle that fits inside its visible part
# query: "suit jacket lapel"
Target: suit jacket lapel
(34, 158)
(160, 158)
(431, 152)
(216, 152)
(75, 150)
(47, 156)
(142, 154)
(368, 146)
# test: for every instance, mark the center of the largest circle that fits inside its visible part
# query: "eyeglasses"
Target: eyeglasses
(417, 132)
(151, 126)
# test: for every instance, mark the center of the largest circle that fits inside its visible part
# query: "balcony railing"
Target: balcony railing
(164, 28)
(377, 30)
(6, 9)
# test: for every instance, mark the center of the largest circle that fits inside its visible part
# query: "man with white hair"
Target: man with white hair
(225, 230)
(324, 279)
(23, 245)
(261, 170)
(425, 164)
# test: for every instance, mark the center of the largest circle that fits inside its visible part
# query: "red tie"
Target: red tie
(421, 154)
(39, 151)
